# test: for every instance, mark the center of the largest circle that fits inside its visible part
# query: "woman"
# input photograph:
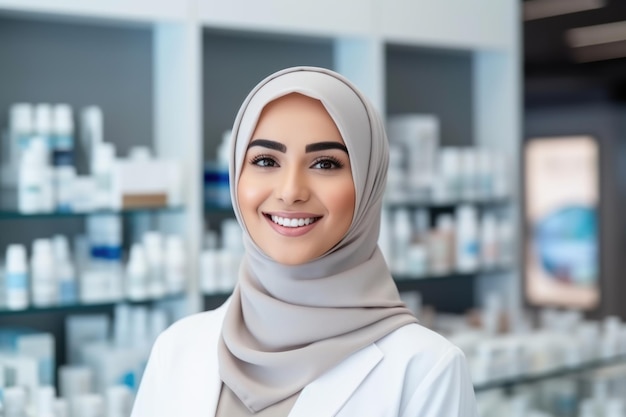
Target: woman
(315, 326)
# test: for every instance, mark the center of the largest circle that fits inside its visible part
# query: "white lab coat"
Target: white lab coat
(412, 372)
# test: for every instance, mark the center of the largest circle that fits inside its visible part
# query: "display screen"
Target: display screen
(561, 187)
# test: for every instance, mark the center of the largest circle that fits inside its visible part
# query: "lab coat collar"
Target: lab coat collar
(325, 396)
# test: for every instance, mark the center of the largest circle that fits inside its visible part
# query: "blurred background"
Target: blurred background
(502, 221)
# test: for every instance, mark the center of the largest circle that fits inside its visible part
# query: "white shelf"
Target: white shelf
(468, 25)
(322, 17)
(147, 11)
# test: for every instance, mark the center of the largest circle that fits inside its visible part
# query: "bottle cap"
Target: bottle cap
(45, 400)
(139, 153)
(118, 401)
(62, 122)
(89, 405)
(21, 118)
(16, 258)
(92, 121)
(137, 264)
(61, 247)
(42, 246)
(43, 119)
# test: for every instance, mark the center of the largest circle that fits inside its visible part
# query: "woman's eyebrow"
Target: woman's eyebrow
(322, 146)
(266, 143)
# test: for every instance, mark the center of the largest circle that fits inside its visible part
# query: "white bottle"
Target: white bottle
(16, 278)
(89, 405)
(501, 172)
(42, 163)
(102, 171)
(118, 401)
(62, 135)
(137, 274)
(506, 242)
(153, 244)
(139, 326)
(92, 134)
(403, 234)
(20, 132)
(468, 174)
(210, 264)
(441, 249)
(488, 241)
(45, 401)
(65, 271)
(467, 246)
(157, 323)
(485, 174)
(43, 276)
(29, 192)
(43, 123)
(105, 239)
(61, 408)
(121, 325)
(64, 186)
(449, 184)
(231, 253)
(175, 265)
(385, 241)
(15, 402)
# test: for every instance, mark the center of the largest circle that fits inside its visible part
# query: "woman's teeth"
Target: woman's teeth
(285, 222)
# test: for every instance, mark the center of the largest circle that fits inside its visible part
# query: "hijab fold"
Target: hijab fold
(287, 325)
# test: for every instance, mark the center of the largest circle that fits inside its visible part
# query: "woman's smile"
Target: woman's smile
(292, 224)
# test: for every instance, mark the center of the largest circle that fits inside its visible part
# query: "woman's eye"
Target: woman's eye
(327, 163)
(264, 162)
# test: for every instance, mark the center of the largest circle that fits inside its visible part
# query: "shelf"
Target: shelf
(15, 214)
(566, 371)
(70, 308)
(213, 209)
(403, 279)
(447, 205)
(450, 293)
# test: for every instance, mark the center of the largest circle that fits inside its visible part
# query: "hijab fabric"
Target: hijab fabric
(287, 325)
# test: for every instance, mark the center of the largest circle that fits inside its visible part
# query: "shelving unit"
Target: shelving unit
(173, 74)
(512, 383)
(11, 213)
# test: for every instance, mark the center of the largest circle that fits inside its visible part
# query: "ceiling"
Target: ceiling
(550, 67)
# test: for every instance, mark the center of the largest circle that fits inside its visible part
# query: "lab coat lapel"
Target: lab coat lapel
(325, 396)
(203, 393)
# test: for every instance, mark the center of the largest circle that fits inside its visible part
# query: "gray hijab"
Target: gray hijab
(287, 325)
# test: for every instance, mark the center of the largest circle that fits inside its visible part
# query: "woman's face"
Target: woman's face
(295, 191)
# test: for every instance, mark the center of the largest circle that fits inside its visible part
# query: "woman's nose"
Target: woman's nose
(293, 186)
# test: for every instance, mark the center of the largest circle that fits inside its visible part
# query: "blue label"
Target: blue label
(16, 281)
(128, 379)
(67, 292)
(46, 371)
(61, 157)
(472, 248)
(110, 253)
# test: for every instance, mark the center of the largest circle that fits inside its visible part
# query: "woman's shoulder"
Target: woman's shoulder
(419, 345)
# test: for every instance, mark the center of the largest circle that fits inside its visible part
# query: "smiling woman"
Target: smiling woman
(296, 193)
(315, 326)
